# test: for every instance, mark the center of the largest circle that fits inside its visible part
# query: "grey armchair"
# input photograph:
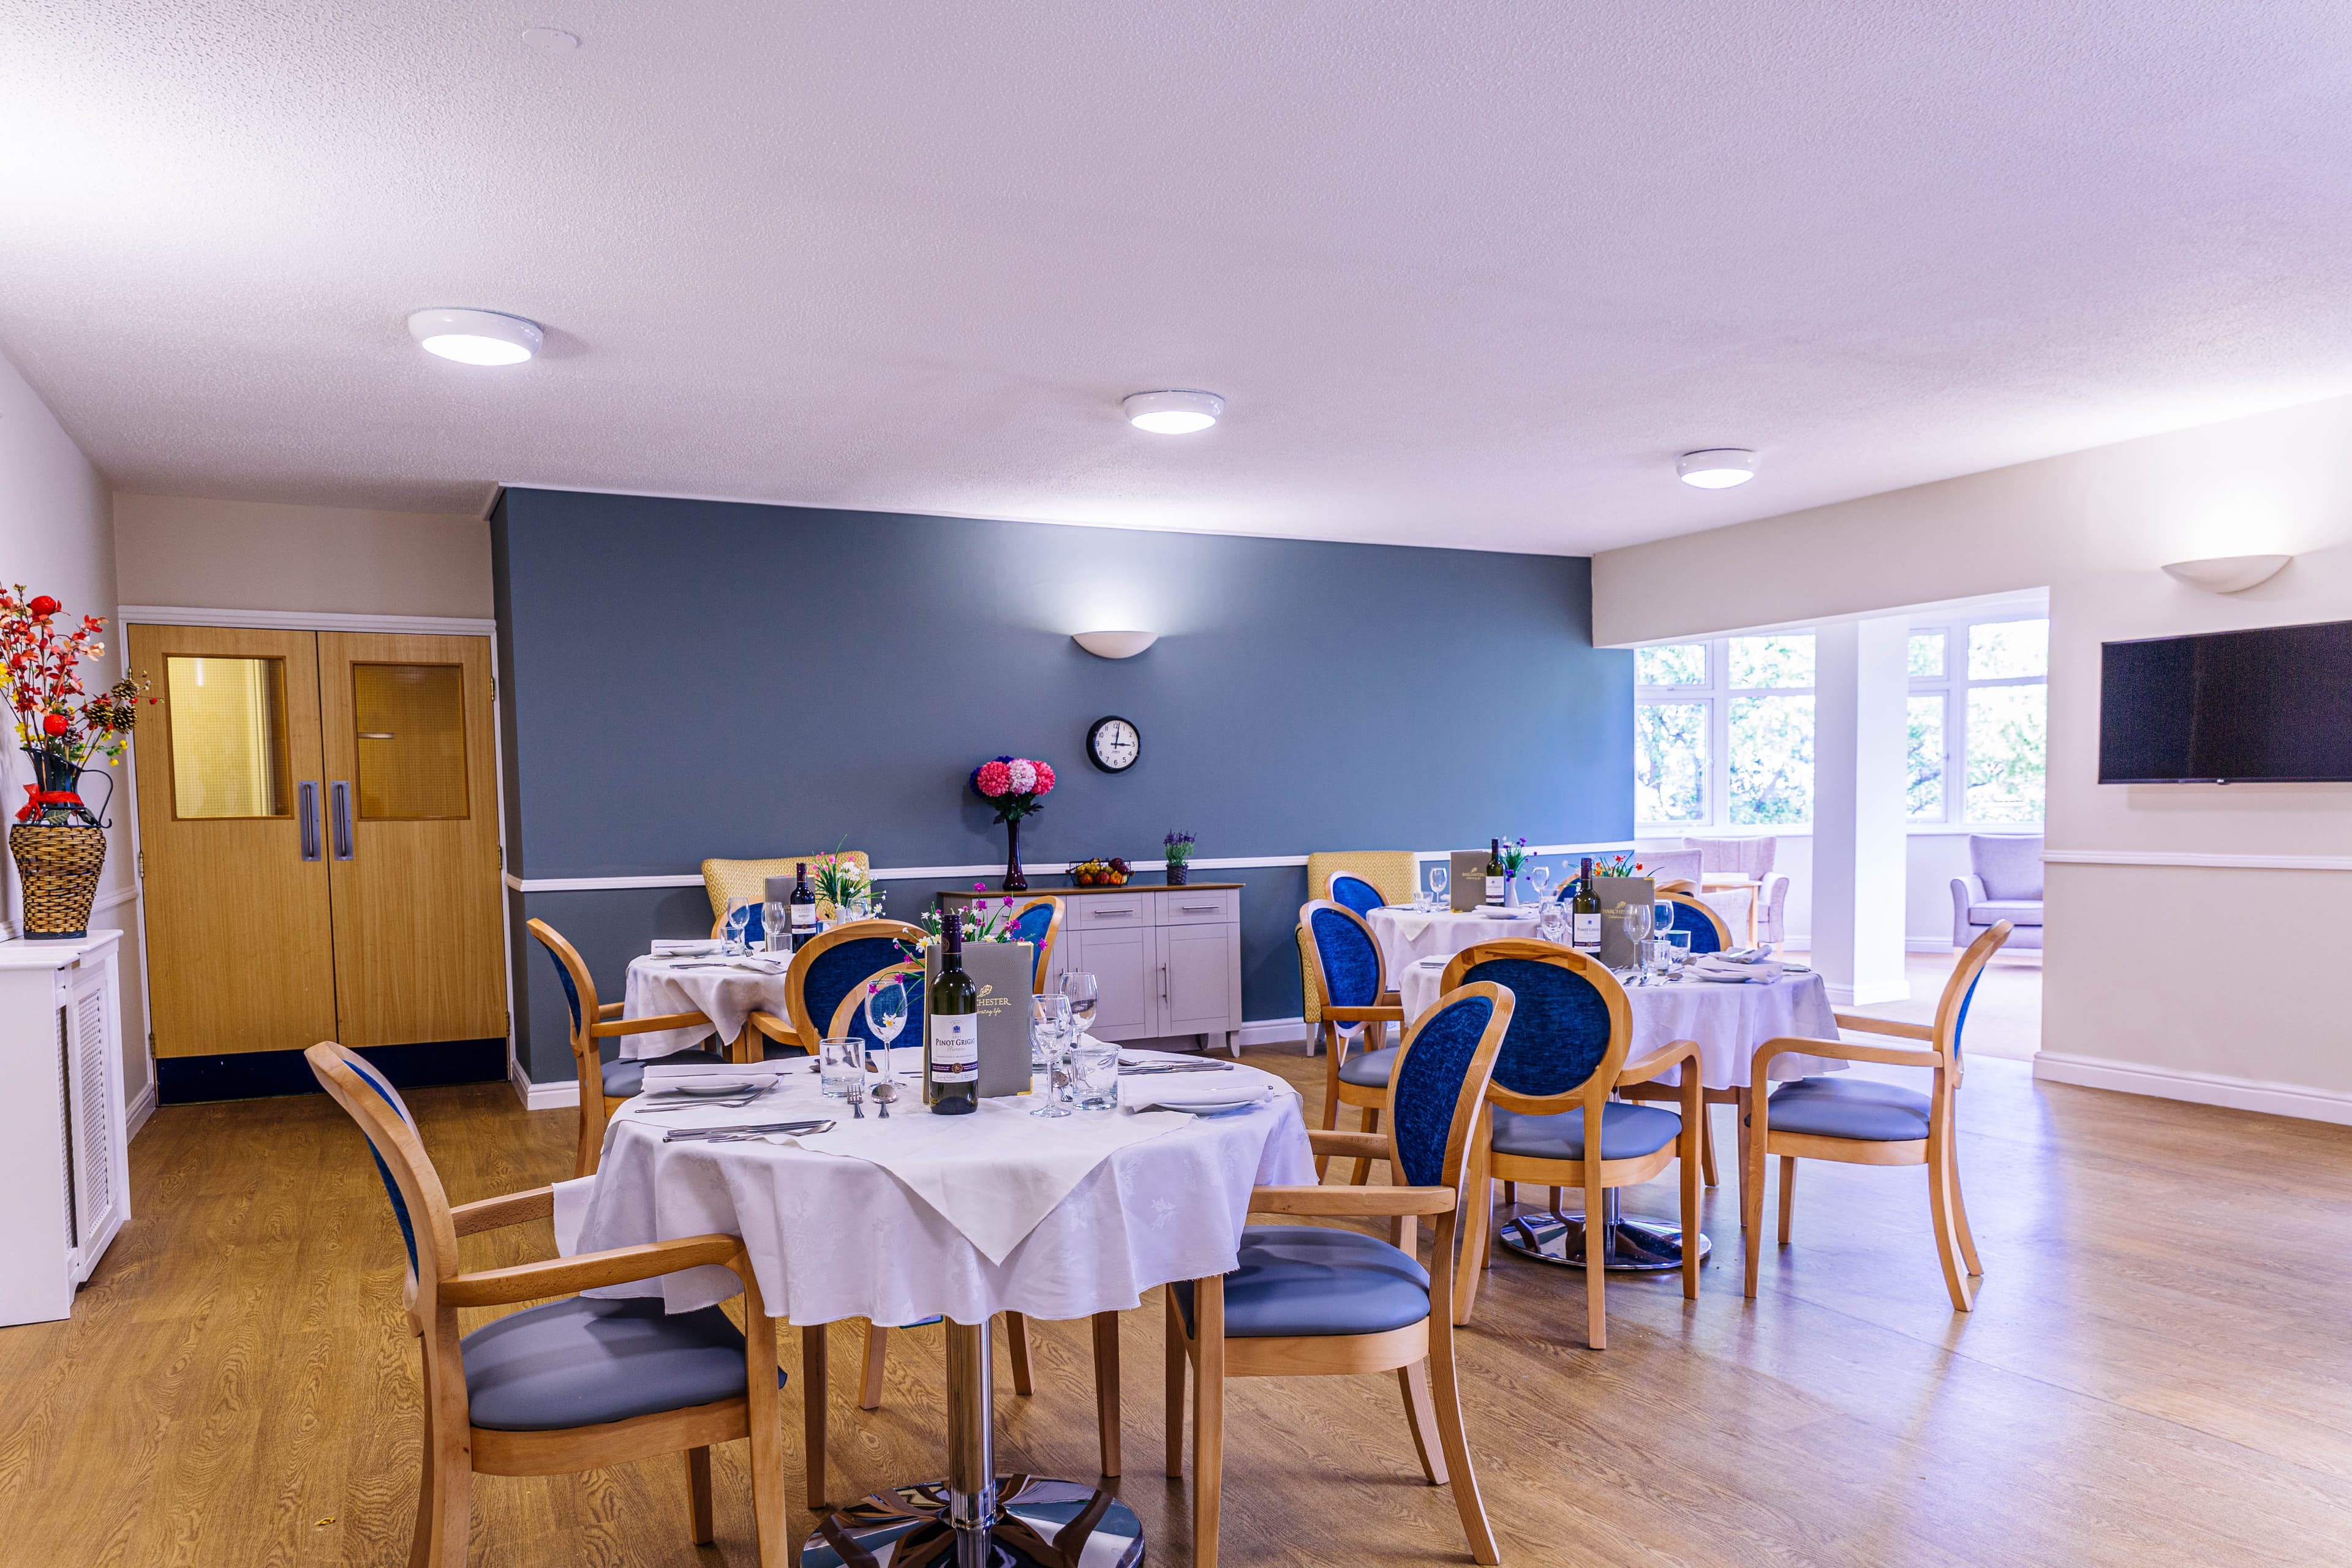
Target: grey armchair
(2004, 884)
(1772, 909)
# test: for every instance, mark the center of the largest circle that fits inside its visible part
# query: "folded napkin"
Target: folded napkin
(1717, 966)
(1189, 1094)
(676, 947)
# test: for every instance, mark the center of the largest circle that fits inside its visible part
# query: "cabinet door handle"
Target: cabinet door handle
(306, 796)
(338, 797)
(1201, 909)
(1163, 983)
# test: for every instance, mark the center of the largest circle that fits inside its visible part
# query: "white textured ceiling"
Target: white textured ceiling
(1467, 273)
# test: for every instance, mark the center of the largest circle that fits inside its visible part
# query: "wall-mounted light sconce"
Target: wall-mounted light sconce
(1114, 644)
(2227, 573)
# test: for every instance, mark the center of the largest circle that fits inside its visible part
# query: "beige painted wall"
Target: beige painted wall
(256, 555)
(2094, 527)
(55, 538)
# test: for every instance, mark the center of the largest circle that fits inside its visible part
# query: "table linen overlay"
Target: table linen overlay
(1407, 933)
(1163, 1197)
(726, 996)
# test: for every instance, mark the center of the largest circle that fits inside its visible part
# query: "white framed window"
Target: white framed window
(1979, 721)
(1724, 734)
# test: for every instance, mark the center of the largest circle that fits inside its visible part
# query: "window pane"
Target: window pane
(1678, 664)
(1923, 799)
(2006, 649)
(1927, 655)
(1670, 762)
(1786, 660)
(412, 740)
(1772, 757)
(228, 736)
(2007, 748)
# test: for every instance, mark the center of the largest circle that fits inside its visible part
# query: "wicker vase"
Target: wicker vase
(58, 867)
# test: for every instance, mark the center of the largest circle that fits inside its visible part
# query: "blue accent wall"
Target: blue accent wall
(683, 680)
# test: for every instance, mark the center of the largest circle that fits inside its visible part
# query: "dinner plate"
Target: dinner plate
(1216, 1106)
(707, 1088)
(1719, 979)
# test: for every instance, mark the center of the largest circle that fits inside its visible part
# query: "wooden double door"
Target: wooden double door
(318, 828)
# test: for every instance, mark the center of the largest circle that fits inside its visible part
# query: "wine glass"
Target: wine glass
(886, 1014)
(776, 925)
(1541, 877)
(1551, 921)
(1635, 922)
(1437, 886)
(1662, 921)
(1051, 1031)
(1080, 988)
(738, 922)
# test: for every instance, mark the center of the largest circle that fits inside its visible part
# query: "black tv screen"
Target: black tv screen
(2268, 706)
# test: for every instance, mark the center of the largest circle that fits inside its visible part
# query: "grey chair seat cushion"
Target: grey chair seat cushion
(1628, 1132)
(1297, 1279)
(624, 1078)
(2016, 911)
(1848, 1107)
(579, 1363)
(1371, 1068)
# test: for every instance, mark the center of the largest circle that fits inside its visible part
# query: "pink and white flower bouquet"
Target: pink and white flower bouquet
(1014, 788)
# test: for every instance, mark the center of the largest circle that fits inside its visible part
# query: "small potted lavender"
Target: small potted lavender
(1180, 857)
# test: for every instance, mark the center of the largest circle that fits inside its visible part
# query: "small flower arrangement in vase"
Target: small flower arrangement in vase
(840, 885)
(1179, 846)
(1621, 864)
(983, 921)
(1014, 787)
(1514, 855)
(58, 844)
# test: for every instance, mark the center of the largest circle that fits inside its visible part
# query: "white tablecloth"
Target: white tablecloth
(1405, 935)
(726, 996)
(1728, 1021)
(834, 1237)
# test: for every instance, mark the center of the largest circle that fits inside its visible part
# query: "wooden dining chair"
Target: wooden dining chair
(1039, 923)
(849, 1020)
(1353, 976)
(1308, 1301)
(571, 1384)
(1553, 1097)
(827, 968)
(1709, 935)
(604, 1085)
(1347, 888)
(1865, 1121)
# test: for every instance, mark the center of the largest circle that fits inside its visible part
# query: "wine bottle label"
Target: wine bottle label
(1588, 933)
(804, 916)
(1494, 889)
(955, 1048)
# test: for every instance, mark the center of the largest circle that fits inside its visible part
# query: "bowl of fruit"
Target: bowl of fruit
(1101, 873)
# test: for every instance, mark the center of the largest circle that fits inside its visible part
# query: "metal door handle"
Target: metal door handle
(339, 796)
(306, 794)
(1163, 983)
(1201, 909)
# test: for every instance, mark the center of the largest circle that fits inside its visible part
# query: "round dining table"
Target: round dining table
(903, 1219)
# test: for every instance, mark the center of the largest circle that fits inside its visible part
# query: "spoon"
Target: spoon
(886, 1091)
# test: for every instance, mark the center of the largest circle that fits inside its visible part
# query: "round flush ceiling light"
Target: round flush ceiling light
(1718, 468)
(1173, 413)
(475, 337)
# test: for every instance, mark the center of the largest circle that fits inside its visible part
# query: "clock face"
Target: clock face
(1113, 745)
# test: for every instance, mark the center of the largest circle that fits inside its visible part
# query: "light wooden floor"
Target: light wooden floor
(2157, 1374)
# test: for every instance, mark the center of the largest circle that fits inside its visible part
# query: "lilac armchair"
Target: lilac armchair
(2005, 884)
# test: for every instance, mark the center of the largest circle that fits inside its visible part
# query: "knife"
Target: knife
(692, 1134)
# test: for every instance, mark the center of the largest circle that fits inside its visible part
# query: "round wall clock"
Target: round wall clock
(1113, 745)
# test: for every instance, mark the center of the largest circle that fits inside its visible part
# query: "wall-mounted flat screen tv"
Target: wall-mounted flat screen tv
(2272, 705)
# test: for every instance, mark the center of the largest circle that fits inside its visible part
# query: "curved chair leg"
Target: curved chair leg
(1105, 1327)
(1477, 1243)
(1707, 1142)
(1596, 1278)
(877, 1356)
(1016, 1344)
(764, 1416)
(1939, 1208)
(1175, 1416)
(420, 1545)
(1422, 1416)
(1363, 1171)
(1960, 1212)
(697, 1495)
(446, 1518)
(1456, 1443)
(1751, 1203)
(1208, 1416)
(816, 1399)
(1333, 1046)
(1788, 1194)
(1694, 1139)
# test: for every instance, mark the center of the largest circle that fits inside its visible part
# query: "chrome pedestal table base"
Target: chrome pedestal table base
(1634, 1245)
(976, 1518)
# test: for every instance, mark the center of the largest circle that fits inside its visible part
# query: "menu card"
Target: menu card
(1001, 972)
(1617, 895)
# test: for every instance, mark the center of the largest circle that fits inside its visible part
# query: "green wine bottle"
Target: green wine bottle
(1584, 913)
(1495, 873)
(951, 1065)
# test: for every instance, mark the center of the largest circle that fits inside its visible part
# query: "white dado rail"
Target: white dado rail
(2194, 860)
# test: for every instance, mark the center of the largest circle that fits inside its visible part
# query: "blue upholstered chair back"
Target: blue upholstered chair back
(571, 991)
(755, 931)
(1560, 1026)
(832, 972)
(368, 1074)
(1347, 952)
(1031, 926)
(1696, 918)
(1356, 893)
(860, 1029)
(1441, 1057)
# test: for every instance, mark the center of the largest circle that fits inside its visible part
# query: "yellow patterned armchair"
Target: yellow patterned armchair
(725, 879)
(1394, 872)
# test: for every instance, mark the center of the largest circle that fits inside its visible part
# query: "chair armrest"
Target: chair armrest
(778, 1029)
(610, 1010)
(1659, 1060)
(1362, 1145)
(1352, 1202)
(1883, 1026)
(1967, 891)
(1845, 1051)
(496, 1214)
(1375, 1014)
(588, 1270)
(649, 1026)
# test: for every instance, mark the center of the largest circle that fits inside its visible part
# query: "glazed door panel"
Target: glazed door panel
(412, 837)
(239, 928)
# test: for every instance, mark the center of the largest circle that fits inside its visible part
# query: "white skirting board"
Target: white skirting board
(566, 1094)
(142, 1106)
(2200, 1088)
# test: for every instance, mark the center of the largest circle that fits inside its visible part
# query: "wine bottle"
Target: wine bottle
(1495, 873)
(804, 906)
(1584, 913)
(951, 1065)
